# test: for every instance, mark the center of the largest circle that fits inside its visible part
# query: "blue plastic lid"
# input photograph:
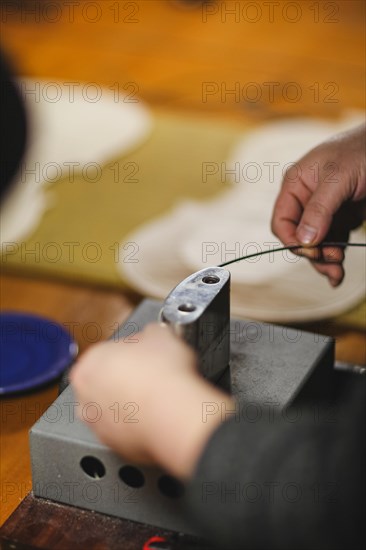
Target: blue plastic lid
(34, 351)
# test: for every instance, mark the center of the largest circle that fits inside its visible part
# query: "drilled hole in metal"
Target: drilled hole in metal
(187, 308)
(93, 467)
(170, 487)
(210, 280)
(133, 477)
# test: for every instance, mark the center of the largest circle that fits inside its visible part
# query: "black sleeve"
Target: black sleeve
(291, 481)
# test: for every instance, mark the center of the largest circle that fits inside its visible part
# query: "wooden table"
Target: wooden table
(169, 53)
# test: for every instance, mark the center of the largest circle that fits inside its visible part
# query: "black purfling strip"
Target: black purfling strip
(292, 247)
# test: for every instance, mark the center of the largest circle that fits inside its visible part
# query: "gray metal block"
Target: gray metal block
(59, 444)
(269, 365)
(267, 362)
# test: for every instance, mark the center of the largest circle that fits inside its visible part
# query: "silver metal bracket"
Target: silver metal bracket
(198, 309)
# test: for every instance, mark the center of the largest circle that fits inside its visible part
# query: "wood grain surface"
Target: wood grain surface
(172, 54)
(41, 524)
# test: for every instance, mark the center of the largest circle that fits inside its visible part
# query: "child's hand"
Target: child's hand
(151, 399)
(323, 197)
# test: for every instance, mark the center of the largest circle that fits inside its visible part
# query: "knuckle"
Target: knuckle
(318, 209)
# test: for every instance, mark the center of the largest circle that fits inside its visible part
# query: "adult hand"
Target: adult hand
(151, 399)
(322, 199)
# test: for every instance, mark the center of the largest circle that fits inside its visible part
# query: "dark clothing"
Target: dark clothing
(12, 128)
(296, 481)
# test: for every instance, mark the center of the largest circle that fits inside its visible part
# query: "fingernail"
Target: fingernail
(306, 234)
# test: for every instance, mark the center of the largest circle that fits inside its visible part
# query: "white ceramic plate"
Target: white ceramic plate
(69, 134)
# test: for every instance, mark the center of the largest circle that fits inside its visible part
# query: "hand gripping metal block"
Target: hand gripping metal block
(268, 364)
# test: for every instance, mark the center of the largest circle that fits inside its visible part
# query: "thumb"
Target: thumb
(318, 214)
